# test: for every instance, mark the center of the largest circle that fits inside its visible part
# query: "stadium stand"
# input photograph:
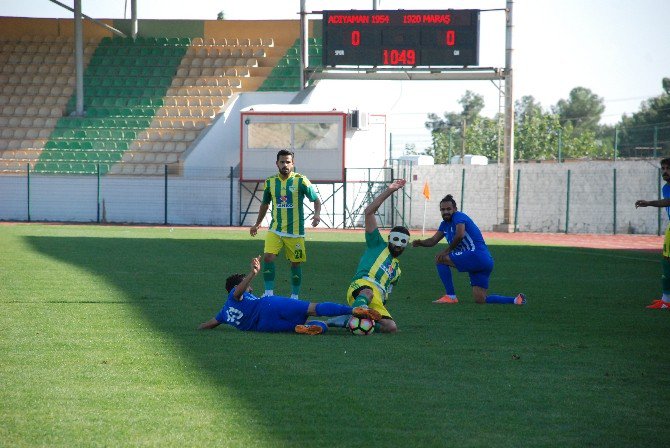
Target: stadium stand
(146, 100)
(285, 76)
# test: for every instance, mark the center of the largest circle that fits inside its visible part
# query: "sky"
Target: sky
(619, 49)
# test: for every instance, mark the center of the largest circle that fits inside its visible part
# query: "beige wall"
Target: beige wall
(284, 32)
(16, 27)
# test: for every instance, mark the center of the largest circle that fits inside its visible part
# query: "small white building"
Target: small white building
(417, 159)
(470, 159)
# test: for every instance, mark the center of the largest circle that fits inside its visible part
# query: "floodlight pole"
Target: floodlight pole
(133, 19)
(78, 59)
(507, 225)
(304, 43)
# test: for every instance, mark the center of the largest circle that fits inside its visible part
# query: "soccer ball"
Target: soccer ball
(361, 326)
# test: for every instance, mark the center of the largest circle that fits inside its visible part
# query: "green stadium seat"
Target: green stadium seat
(78, 155)
(74, 167)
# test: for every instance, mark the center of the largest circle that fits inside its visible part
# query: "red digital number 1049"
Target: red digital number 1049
(399, 57)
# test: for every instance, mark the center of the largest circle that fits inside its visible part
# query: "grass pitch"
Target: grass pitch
(98, 347)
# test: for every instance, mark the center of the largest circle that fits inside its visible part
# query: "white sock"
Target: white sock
(269, 292)
(294, 296)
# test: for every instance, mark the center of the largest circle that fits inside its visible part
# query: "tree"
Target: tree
(447, 132)
(526, 108)
(481, 136)
(536, 133)
(540, 135)
(410, 148)
(221, 16)
(583, 109)
(647, 132)
(472, 103)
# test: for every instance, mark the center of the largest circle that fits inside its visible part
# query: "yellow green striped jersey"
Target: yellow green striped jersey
(287, 197)
(377, 264)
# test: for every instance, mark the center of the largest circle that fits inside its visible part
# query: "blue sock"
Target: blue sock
(493, 298)
(332, 309)
(444, 272)
(339, 321)
(319, 323)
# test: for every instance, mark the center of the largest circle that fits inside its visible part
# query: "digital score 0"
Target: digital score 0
(401, 38)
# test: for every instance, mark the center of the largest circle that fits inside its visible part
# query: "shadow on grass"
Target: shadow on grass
(394, 388)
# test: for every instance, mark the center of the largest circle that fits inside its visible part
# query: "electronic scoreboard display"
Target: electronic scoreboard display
(401, 38)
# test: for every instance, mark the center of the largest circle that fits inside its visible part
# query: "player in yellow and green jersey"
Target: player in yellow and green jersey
(379, 268)
(286, 191)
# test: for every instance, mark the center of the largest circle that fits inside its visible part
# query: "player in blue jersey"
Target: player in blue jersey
(664, 301)
(467, 252)
(273, 314)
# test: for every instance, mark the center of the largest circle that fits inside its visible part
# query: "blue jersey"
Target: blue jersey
(472, 240)
(666, 195)
(241, 314)
(471, 255)
(268, 314)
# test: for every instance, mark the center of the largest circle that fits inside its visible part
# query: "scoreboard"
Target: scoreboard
(401, 38)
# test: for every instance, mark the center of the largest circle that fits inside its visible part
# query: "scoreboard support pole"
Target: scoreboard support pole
(508, 206)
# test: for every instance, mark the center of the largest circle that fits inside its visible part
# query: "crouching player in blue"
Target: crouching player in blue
(273, 314)
(467, 252)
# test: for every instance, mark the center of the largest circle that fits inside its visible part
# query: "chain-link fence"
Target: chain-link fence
(585, 197)
(205, 197)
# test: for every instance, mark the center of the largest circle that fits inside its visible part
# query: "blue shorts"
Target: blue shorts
(478, 265)
(281, 314)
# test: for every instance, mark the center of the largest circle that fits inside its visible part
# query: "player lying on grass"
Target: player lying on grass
(379, 268)
(664, 301)
(467, 252)
(246, 312)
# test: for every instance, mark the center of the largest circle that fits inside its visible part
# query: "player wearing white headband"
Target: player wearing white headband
(379, 268)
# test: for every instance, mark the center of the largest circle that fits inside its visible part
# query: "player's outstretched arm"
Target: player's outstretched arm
(428, 242)
(371, 209)
(212, 323)
(246, 281)
(657, 203)
(262, 210)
